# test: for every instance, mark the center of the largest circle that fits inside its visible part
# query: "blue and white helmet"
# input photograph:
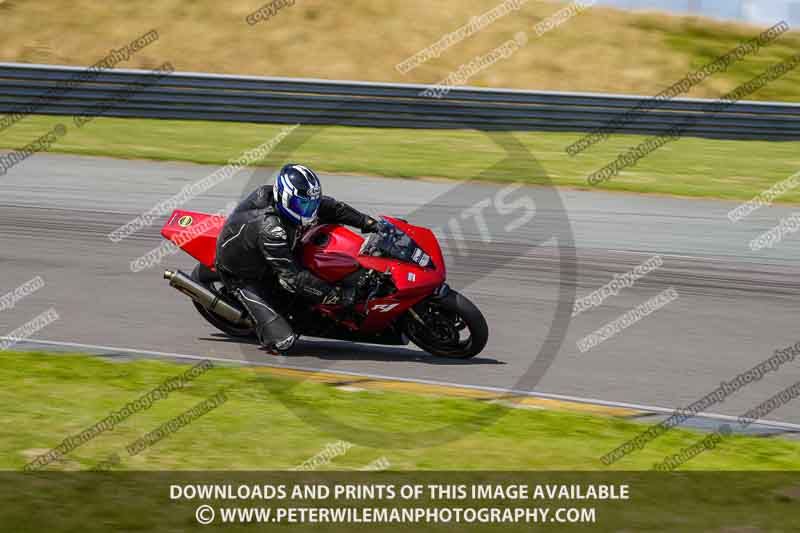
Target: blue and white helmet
(297, 193)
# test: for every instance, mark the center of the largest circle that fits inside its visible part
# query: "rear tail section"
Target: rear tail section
(195, 233)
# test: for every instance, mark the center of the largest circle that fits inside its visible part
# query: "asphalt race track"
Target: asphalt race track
(735, 306)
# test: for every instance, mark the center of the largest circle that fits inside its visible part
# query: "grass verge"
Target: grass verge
(602, 49)
(49, 397)
(688, 167)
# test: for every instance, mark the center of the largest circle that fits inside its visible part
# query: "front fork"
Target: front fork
(442, 291)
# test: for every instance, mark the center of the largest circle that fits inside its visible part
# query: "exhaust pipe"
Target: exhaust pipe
(206, 298)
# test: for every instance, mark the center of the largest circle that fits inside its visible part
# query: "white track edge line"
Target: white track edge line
(544, 395)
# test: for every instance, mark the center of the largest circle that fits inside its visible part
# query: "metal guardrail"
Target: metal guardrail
(195, 96)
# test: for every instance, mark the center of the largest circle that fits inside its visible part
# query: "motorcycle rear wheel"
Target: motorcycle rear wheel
(205, 276)
(443, 322)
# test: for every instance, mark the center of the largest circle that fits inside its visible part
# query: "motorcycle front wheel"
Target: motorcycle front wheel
(451, 326)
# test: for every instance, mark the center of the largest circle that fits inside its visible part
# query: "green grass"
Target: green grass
(600, 50)
(688, 167)
(695, 39)
(47, 398)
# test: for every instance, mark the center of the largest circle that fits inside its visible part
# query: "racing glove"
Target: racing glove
(370, 225)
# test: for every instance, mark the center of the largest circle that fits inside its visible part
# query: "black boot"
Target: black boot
(273, 331)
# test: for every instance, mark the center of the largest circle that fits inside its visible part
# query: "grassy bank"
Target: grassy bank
(688, 167)
(601, 49)
(47, 398)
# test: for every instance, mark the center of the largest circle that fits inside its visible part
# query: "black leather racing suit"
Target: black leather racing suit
(256, 242)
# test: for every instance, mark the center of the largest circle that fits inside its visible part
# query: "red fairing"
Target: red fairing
(195, 233)
(426, 240)
(330, 252)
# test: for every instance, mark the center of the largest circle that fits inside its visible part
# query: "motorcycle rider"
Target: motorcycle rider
(259, 238)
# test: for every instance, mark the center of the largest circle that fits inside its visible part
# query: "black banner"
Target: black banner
(393, 501)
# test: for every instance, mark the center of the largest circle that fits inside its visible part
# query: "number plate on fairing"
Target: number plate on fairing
(420, 257)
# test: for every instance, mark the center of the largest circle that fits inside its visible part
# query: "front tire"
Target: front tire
(205, 276)
(443, 324)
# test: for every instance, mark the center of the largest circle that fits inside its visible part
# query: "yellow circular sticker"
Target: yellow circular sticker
(185, 221)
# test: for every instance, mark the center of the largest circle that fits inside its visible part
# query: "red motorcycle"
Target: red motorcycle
(401, 279)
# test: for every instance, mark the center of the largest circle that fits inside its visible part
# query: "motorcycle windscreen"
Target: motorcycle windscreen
(396, 244)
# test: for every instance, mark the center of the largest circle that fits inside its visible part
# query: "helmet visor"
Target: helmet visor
(305, 207)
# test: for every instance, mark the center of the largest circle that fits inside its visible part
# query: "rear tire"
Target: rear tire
(445, 318)
(205, 276)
